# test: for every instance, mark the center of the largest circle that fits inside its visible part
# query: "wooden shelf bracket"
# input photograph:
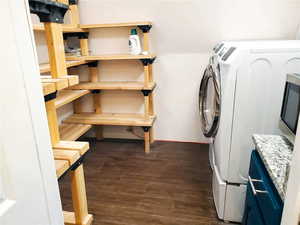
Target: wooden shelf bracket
(148, 61)
(145, 28)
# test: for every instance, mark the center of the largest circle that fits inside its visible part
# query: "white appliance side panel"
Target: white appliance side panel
(223, 137)
(235, 203)
(219, 191)
(259, 93)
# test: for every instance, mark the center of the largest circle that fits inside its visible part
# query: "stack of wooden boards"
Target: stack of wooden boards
(60, 89)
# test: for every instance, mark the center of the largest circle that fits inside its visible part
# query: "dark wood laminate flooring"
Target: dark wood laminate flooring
(170, 186)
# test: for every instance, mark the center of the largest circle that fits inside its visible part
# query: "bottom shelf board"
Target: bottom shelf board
(71, 132)
(114, 119)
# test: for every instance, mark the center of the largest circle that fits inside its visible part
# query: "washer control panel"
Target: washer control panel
(228, 53)
(218, 47)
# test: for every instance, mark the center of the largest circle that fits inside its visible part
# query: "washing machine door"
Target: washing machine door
(210, 100)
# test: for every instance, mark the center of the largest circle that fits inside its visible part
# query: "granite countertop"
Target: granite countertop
(276, 152)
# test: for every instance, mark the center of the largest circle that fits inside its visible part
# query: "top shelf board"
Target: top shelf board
(66, 28)
(112, 25)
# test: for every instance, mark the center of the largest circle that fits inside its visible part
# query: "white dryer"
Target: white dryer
(241, 94)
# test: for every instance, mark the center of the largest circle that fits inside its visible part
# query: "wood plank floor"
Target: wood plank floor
(170, 186)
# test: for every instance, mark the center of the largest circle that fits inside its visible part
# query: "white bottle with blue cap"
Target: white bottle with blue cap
(134, 43)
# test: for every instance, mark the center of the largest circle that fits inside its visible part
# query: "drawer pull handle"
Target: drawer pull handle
(255, 192)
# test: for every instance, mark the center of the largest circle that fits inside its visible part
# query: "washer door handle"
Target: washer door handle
(255, 192)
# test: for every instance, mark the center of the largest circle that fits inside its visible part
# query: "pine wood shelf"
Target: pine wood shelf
(111, 25)
(71, 132)
(114, 119)
(111, 57)
(45, 67)
(48, 88)
(78, 146)
(70, 79)
(61, 167)
(66, 28)
(107, 85)
(58, 83)
(66, 96)
(70, 156)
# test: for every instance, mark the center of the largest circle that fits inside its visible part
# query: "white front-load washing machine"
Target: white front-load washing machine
(241, 94)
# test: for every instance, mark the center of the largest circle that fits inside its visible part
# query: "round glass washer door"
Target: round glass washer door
(210, 101)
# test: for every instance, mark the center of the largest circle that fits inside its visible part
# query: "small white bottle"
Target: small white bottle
(134, 43)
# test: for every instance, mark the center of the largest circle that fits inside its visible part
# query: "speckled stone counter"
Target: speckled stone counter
(276, 153)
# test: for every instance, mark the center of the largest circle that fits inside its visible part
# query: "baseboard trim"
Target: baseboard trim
(192, 142)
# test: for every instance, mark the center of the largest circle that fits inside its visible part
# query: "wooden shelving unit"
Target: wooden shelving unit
(146, 87)
(60, 89)
(68, 153)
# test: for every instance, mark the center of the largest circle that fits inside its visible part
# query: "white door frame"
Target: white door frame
(17, 36)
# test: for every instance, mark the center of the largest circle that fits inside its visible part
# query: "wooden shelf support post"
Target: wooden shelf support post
(145, 29)
(77, 104)
(52, 118)
(52, 15)
(79, 197)
(83, 39)
(93, 71)
(147, 139)
(151, 112)
(74, 12)
(147, 102)
(94, 77)
(84, 44)
(147, 63)
(148, 96)
(56, 50)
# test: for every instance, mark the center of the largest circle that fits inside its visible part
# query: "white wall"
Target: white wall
(184, 32)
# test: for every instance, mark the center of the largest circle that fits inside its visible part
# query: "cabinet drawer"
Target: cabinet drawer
(267, 197)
